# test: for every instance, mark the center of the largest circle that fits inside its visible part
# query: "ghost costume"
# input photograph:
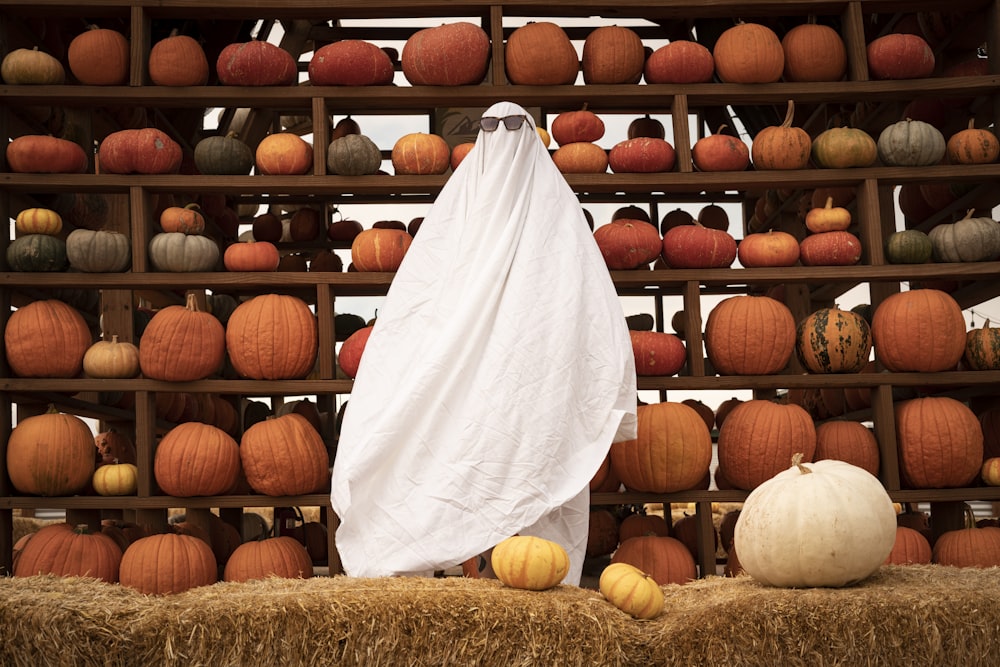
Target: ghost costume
(497, 375)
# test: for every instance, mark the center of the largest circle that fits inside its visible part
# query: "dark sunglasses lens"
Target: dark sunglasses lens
(489, 123)
(513, 122)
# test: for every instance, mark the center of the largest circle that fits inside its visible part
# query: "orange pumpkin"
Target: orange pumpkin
(720, 152)
(782, 146)
(284, 456)
(900, 56)
(581, 157)
(641, 155)
(182, 344)
(178, 60)
(666, 559)
(282, 556)
(759, 438)
(940, 442)
(627, 243)
(349, 357)
(920, 330)
(196, 459)
(419, 153)
(612, 54)
(830, 249)
(541, 54)
(910, 548)
(680, 61)
(38, 221)
(251, 256)
(46, 339)
(168, 563)
(577, 125)
(672, 451)
(453, 54)
(41, 154)
(284, 154)
(968, 547)
(185, 219)
(65, 551)
(637, 525)
(973, 146)
(848, 441)
(814, 52)
(748, 53)
(750, 335)
(828, 218)
(51, 454)
(380, 249)
(770, 248)
(272, 337)
(99, 57)
(657, 353)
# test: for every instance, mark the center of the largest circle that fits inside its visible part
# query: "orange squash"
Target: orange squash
(168, 563)
(182, 344)
(99, 57)
(782, 146)
(748, 53)
(51, 454)
(759, 438)
(284, 456)
(750, 335)
(46, 338)
(272, 337)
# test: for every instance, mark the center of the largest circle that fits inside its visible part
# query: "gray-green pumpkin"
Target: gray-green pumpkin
(910, 246)
(967, 240)
(911, 143)
(353, 155)
(98, 251)
(35, 253)
(177, 252)
(227, 156)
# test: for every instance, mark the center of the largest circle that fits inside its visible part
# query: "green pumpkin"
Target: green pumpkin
(226, 156)
(37, 253)
(177, 252)
(910, 246)
(353, 155)
(844, 147)
(98, 251)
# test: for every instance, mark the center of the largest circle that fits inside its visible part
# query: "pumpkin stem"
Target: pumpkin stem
(797, 461)
(972, 123)
(721, 128)
(789, 114)
(968, 213)
(829, 202)
(114, 338)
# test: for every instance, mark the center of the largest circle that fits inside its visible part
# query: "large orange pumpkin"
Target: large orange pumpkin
(272, 337)
(453, 54)
(750, 335)
(672, 451)
(195, 459)
(814, 52)
(51, 454)
(65, 551)
(541, 54)
(178, 60)
(282, 556)
(182, 344)
(666, 559)
(759, 438)
(920, 330)
(168, 563)
(848, 441)
(940, 443)
(612, 54)
(46, 338)
(748, 53)
(99, 57)
(284, 456)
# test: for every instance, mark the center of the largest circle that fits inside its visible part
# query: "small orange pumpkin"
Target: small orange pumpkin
(178, 60)
(420, 153)
(828, 218)
(251, 255)
(973, 146)
(284, 154)
(379, 249)
(185, 219)
(99, 57)
(782, 146)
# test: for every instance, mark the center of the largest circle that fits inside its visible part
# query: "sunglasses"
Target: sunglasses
(491, 123)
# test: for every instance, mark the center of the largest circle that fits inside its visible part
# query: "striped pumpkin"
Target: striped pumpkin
(832, 340)
(982, 348)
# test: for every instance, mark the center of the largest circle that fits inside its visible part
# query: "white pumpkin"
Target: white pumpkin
(911, 143)
(827, 523)
(967, 240)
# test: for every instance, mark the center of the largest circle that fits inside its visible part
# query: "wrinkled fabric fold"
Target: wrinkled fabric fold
(498, 373)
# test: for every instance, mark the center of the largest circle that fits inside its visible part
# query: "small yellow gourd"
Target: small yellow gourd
(531, 563)
(631, 590)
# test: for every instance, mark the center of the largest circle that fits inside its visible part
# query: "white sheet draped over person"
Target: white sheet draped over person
(498, 373)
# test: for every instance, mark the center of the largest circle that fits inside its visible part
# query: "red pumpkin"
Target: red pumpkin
(900, 56)
(459, 152)
(581, 157)
(657, 353)
(814, 52)
(144, 151)
(642, 155)
(830, 249)
(419, 153)
(379, 249)
(748, 53)
(349, 357)
(770, 248)
(627, 244)
(256, 63)
(251, 256)
(350, 62)
(698, 247)
(720, 152)
(573, 126)
(42, 154)
(680, 61)
(612, 54)
(284, 154)
(758, 439)
(453, 54)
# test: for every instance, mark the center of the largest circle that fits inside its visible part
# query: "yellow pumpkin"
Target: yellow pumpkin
(531, 563)
(116, 479)
(828, 218)
(111, 359)
(631, 590)
(38, 221)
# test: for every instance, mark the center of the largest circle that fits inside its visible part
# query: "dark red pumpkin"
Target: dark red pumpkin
(698, 247)
(642, 155)
(573, 126)
(144, 151)
(42, 154)
(350, 62)
(680, 61)
(453, 54)
(627, 243)
(349, 357)
(837, 248)
(256, 63)
(657, 353)
(900, 56)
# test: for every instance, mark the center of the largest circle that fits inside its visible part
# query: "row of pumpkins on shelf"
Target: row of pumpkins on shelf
(538, 53)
